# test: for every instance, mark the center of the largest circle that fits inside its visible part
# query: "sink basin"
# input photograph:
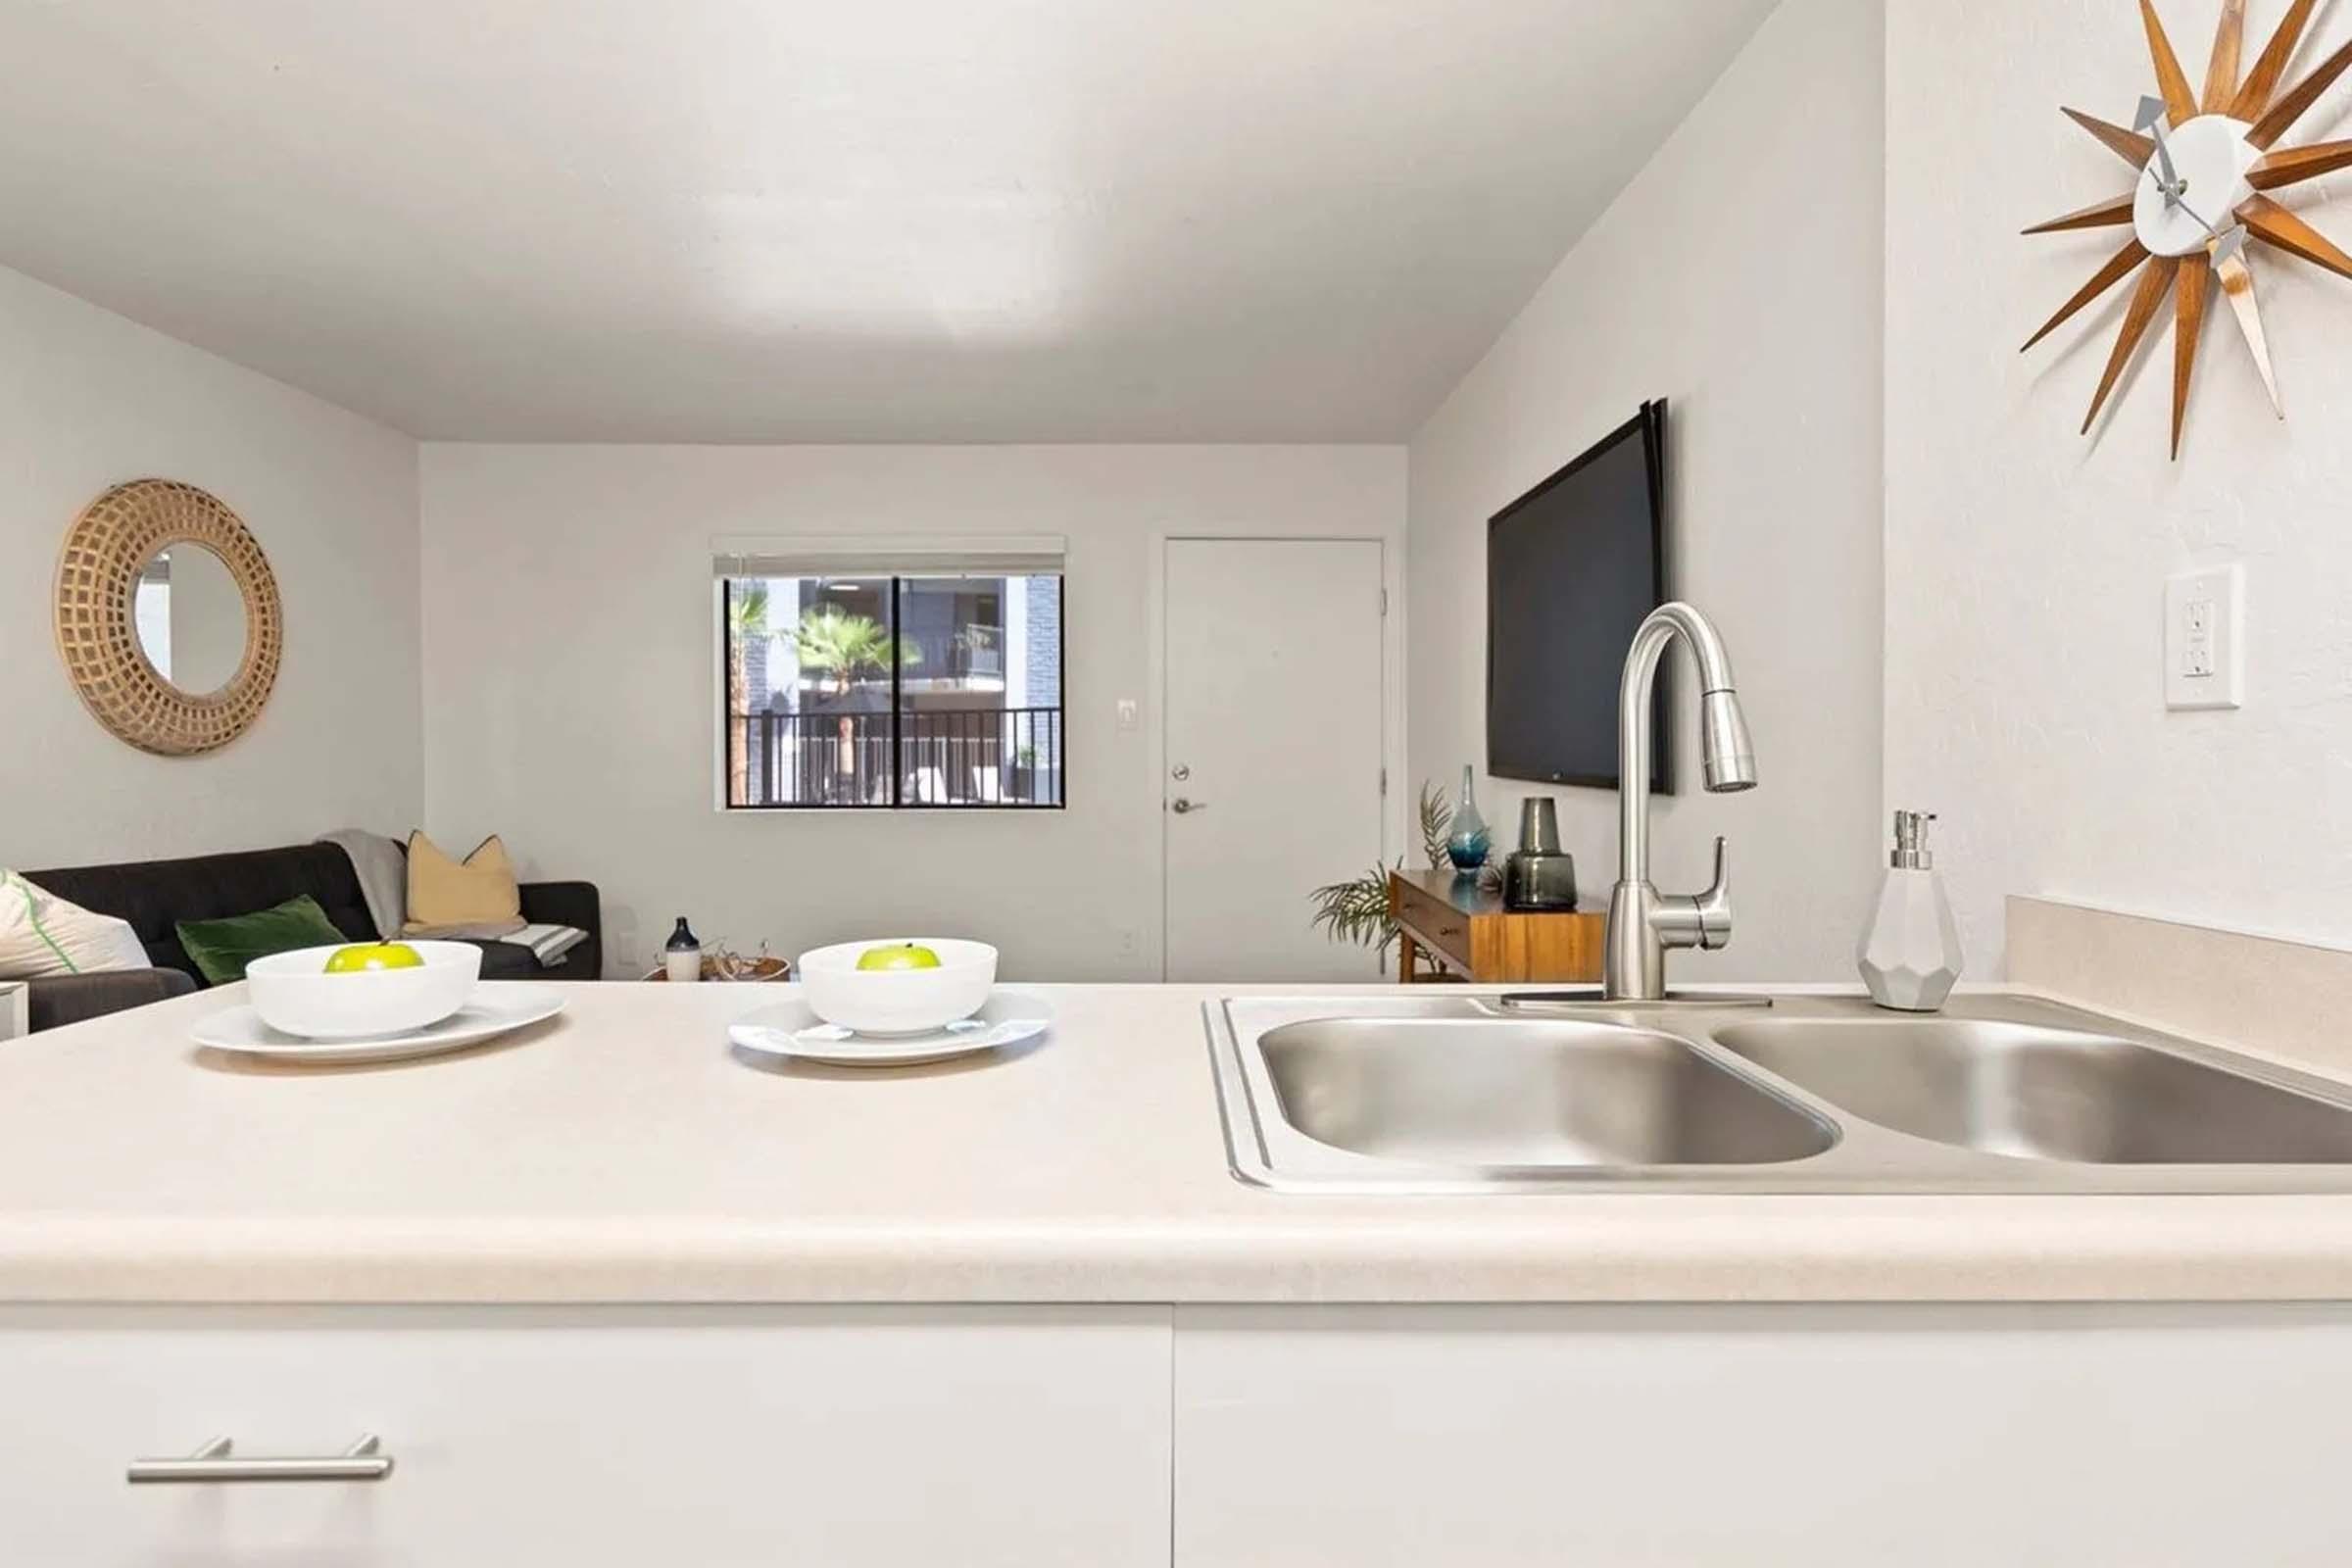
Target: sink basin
(2039, 1093)
(1460, 1092)
(1502, 1093)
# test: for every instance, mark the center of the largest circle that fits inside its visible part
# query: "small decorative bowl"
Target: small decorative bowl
(295, 994)
(897, 1001)
(723, 967)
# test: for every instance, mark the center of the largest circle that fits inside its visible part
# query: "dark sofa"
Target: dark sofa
(153, 894)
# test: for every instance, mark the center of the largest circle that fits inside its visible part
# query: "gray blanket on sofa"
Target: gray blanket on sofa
(383, 873)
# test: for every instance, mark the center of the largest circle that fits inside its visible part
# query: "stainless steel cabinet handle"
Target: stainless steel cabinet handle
(213, 1464)
(1180, 806)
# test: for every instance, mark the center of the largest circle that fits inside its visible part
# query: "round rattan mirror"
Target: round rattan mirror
(113, 627)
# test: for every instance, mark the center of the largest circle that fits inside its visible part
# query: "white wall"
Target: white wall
(90, 400)
(569, 698)
(2026, 565)
(1737, 276)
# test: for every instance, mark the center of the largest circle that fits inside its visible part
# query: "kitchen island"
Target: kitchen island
(606, 1291)
(621, 1152)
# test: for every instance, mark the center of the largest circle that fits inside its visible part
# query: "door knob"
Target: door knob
(1182, 807)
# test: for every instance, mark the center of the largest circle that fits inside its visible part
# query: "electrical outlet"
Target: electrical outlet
(2204, 638)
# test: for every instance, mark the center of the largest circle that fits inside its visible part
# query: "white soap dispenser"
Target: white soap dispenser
(1910, 952)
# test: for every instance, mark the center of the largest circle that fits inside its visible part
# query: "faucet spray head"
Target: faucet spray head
(1730, 757)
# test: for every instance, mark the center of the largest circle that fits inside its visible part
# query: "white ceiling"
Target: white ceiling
(783, 220)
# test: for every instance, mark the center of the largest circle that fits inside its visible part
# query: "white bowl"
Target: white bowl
(897, 1001)
(296, 996)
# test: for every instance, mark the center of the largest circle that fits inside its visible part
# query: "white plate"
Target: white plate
(498, 1006)
(789, 1032)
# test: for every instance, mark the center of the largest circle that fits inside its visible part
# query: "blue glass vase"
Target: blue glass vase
(1467, 839)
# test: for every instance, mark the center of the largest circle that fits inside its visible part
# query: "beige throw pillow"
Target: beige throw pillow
(443, 892)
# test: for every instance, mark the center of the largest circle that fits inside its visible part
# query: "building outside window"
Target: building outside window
(924, 687)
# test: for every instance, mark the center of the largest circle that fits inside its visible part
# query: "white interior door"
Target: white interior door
(1274, 703)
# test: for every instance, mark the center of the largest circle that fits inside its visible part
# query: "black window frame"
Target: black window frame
(898, 775)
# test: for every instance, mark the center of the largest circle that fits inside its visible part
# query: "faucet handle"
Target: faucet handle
(1714, 906)
(1697, 920)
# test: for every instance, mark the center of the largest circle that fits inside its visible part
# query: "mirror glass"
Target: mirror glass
(190, 617)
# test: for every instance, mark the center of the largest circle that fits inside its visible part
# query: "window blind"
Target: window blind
(888, 555)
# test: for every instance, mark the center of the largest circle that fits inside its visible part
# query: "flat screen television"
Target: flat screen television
(1573, 567)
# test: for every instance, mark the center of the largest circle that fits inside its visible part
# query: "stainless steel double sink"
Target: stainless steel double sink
(1476, 1094)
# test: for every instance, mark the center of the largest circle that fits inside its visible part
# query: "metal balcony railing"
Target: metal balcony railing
(979, 757)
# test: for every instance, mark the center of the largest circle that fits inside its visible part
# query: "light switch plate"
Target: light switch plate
(2204, 638)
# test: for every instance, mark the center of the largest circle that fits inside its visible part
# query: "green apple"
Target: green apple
(898, 955)
(362, 957)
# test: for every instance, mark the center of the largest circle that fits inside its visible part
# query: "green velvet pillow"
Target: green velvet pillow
(221, 948)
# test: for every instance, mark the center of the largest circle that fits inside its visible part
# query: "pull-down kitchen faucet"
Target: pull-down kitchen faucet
(1642, 921)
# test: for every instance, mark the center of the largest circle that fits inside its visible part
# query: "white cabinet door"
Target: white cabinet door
(700, 1438)
(1759, 1436)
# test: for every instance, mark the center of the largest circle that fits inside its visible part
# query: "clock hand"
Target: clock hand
(2151, 121)
(2227, 243)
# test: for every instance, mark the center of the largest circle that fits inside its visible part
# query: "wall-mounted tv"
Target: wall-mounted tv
(1573, 567)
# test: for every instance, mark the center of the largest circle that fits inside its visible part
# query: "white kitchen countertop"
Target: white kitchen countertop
(621, 1154)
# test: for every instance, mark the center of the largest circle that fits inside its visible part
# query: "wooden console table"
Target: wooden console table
(1465, 929)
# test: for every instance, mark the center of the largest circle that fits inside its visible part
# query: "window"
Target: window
(933, 685)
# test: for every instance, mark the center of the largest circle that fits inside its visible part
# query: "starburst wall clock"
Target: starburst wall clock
(2208, 164)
